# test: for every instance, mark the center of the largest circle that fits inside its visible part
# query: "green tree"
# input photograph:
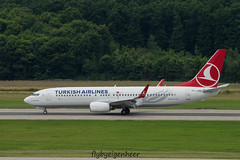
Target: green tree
(52, 56)
(177, 36)
(152, 44)
(231, 68)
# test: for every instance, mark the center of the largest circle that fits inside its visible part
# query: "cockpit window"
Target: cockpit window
(35, 94)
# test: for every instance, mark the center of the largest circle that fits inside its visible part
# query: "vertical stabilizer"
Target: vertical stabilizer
(209, 75)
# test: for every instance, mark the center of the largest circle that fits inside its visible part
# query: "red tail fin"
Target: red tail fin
(209, 75)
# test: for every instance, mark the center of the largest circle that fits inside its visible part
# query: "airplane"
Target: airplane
(105, 99)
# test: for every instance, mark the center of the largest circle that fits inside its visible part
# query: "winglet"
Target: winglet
(144, 92)
(160, 83)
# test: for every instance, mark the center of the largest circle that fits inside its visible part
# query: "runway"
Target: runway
(136, 114)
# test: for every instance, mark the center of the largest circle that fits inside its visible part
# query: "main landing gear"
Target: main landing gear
(125, 111)
(45, 111)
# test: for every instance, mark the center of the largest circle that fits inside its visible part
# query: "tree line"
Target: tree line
(117, 40)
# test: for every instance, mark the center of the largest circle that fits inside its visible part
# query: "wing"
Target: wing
(130, 101)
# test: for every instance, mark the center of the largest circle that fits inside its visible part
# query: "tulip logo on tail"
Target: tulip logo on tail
(209, 75)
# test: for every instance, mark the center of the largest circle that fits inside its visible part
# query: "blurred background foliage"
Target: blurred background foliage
(117, 40)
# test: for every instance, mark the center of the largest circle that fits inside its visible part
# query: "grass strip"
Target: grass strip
(218, 139)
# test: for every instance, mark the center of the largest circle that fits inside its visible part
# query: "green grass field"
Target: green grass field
(192, 139)
(12, 93)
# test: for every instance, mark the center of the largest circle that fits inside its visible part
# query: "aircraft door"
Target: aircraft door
(48, 96)
(188, 95)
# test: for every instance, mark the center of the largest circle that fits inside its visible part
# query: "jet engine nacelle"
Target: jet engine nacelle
(99, 107)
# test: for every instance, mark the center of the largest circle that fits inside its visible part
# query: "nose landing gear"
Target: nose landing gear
(125, 111)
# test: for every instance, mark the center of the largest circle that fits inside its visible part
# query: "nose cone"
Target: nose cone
(27, 100)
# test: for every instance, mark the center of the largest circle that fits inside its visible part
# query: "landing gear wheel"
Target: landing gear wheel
(125, 111)
(45, 111)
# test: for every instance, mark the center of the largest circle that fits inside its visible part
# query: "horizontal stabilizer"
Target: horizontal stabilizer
(215, 89)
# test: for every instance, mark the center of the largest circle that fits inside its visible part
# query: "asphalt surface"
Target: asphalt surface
(136, 114)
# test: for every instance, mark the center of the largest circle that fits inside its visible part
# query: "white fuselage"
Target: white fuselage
(83, 96)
